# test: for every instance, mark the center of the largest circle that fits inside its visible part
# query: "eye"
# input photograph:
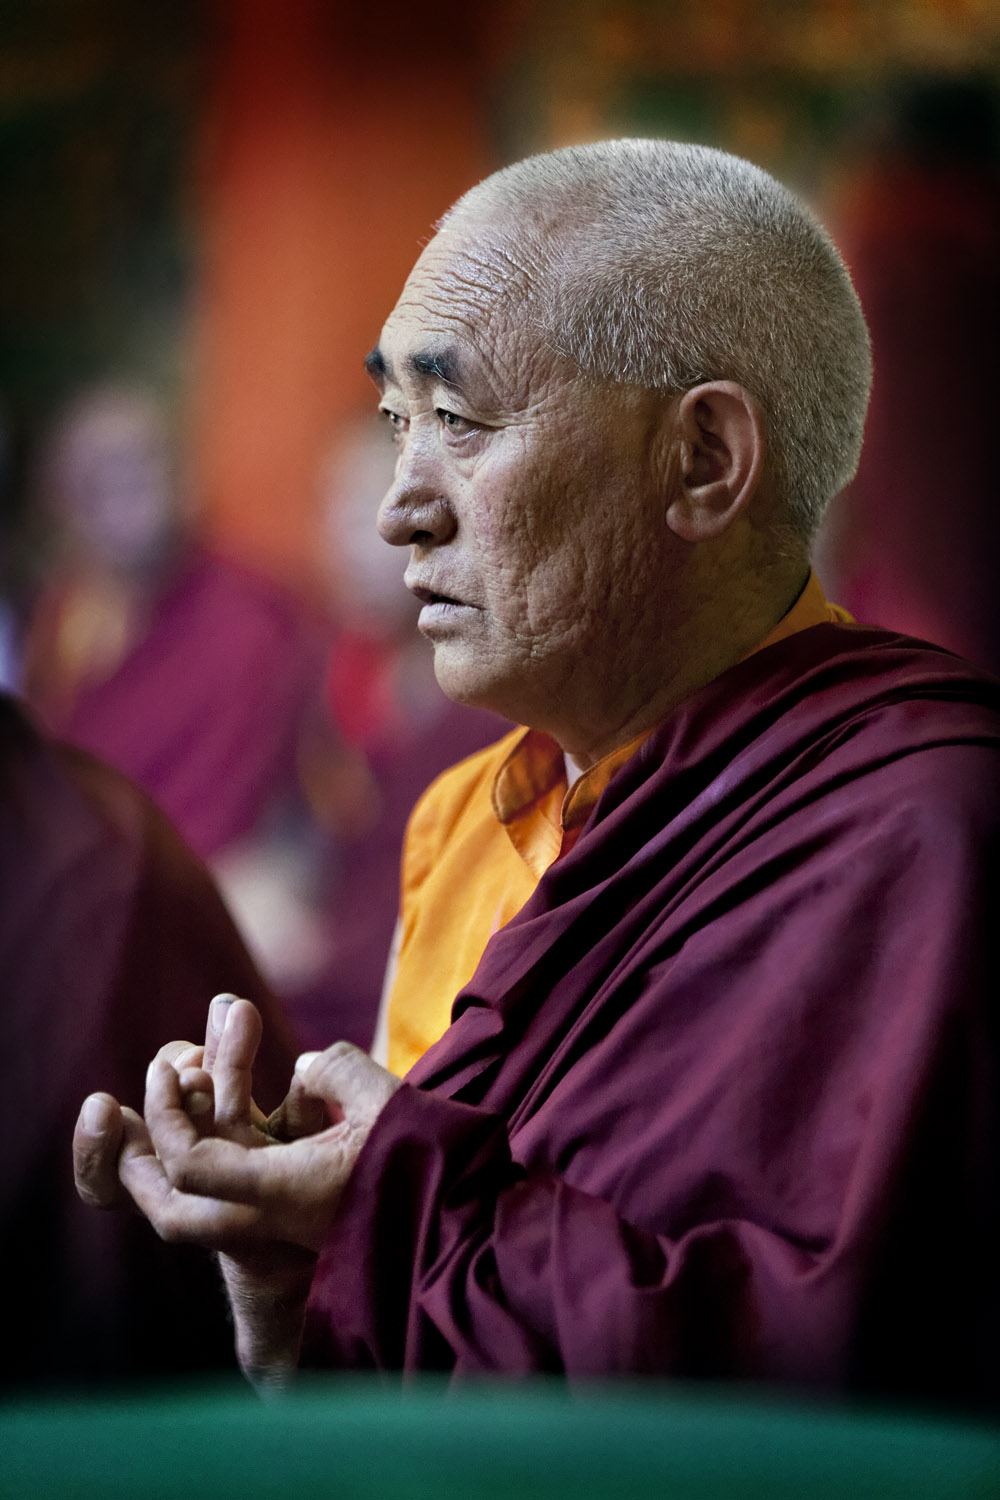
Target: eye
(395, 419)
(453, 422)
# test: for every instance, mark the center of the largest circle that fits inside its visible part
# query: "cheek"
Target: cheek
(526, 498)
(531, 525)
(502, 527)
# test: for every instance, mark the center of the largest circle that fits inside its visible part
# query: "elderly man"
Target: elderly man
(718, 1092)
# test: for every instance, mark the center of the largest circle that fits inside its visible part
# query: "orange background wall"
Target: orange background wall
(333, 142)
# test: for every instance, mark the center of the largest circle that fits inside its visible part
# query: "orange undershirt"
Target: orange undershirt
(478, 842)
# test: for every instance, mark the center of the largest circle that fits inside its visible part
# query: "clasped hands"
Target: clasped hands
(206, 1167)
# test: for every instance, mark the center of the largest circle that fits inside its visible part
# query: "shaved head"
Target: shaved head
(664, 265)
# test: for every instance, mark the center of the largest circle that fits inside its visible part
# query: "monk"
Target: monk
(179, 667)
(711, 1090)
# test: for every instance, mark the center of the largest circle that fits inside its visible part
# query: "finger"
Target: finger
(171, 1130)
(191, 1162)
(287, 1193)
(191, 1057)
(226, 1171)
(198, 1098)
(96, 1143)
(300, 1114)
(174, 1050)
(135, 1138)
(232, 1070)
(221, 1193)
(217, 1012)
(177, 1217)
(217, 1017)
(344, 1075)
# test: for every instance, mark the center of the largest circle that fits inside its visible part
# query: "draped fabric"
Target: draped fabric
(721, 1101)
(505, 816)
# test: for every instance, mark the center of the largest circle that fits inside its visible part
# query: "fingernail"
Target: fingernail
(95, 1115)
(218, 1012)
(305, 1062)
(198, 1103)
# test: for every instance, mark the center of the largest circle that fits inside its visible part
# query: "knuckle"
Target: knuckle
(179, 1222)
(181, 1179)
(232, 1126)
(177, 1171)
(170, 1051)
(344, 1052)
(171, 1231)
(91, 1195)
(340, 1049)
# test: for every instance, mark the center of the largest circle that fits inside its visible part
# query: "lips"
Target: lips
(431, 596)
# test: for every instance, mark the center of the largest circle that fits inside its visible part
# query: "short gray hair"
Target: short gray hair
(665, 265)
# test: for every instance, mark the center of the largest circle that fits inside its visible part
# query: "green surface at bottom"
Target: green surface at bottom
(351, 1441)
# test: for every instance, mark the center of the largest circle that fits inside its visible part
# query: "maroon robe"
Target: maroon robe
(207, 709)
(721, 1101)
(112, 942)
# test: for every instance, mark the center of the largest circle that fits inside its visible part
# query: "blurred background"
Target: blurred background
(208, 209)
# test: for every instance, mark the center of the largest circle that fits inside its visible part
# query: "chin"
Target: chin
(466, 682)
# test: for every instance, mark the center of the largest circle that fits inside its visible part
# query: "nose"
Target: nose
(415, 511)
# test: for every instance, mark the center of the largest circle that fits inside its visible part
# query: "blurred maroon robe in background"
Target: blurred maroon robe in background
(112, 942)
(195, 675)
(207, 706)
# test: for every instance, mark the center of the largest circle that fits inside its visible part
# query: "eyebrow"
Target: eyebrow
(439, 364)
(376, 366)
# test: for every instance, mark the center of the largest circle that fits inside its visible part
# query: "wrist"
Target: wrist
(267, 1297)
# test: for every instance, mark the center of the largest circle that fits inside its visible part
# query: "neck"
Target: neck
(574, 770)
(700, 649)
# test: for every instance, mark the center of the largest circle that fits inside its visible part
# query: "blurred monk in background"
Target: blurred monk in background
(195, 676)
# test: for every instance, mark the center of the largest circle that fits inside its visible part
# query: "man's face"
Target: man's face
(526, 494)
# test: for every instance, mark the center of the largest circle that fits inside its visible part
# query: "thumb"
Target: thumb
(97, 1142)
(348, 1081)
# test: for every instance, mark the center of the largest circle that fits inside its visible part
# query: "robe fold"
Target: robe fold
(722, 1100)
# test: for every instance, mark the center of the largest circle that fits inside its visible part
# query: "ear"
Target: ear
(719, 430)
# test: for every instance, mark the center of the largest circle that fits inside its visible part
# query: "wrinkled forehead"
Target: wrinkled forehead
(473, 289)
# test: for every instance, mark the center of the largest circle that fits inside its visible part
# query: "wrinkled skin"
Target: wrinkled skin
(531, 496)
(206, 1167)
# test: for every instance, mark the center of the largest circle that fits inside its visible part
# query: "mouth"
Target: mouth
(428, 596)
